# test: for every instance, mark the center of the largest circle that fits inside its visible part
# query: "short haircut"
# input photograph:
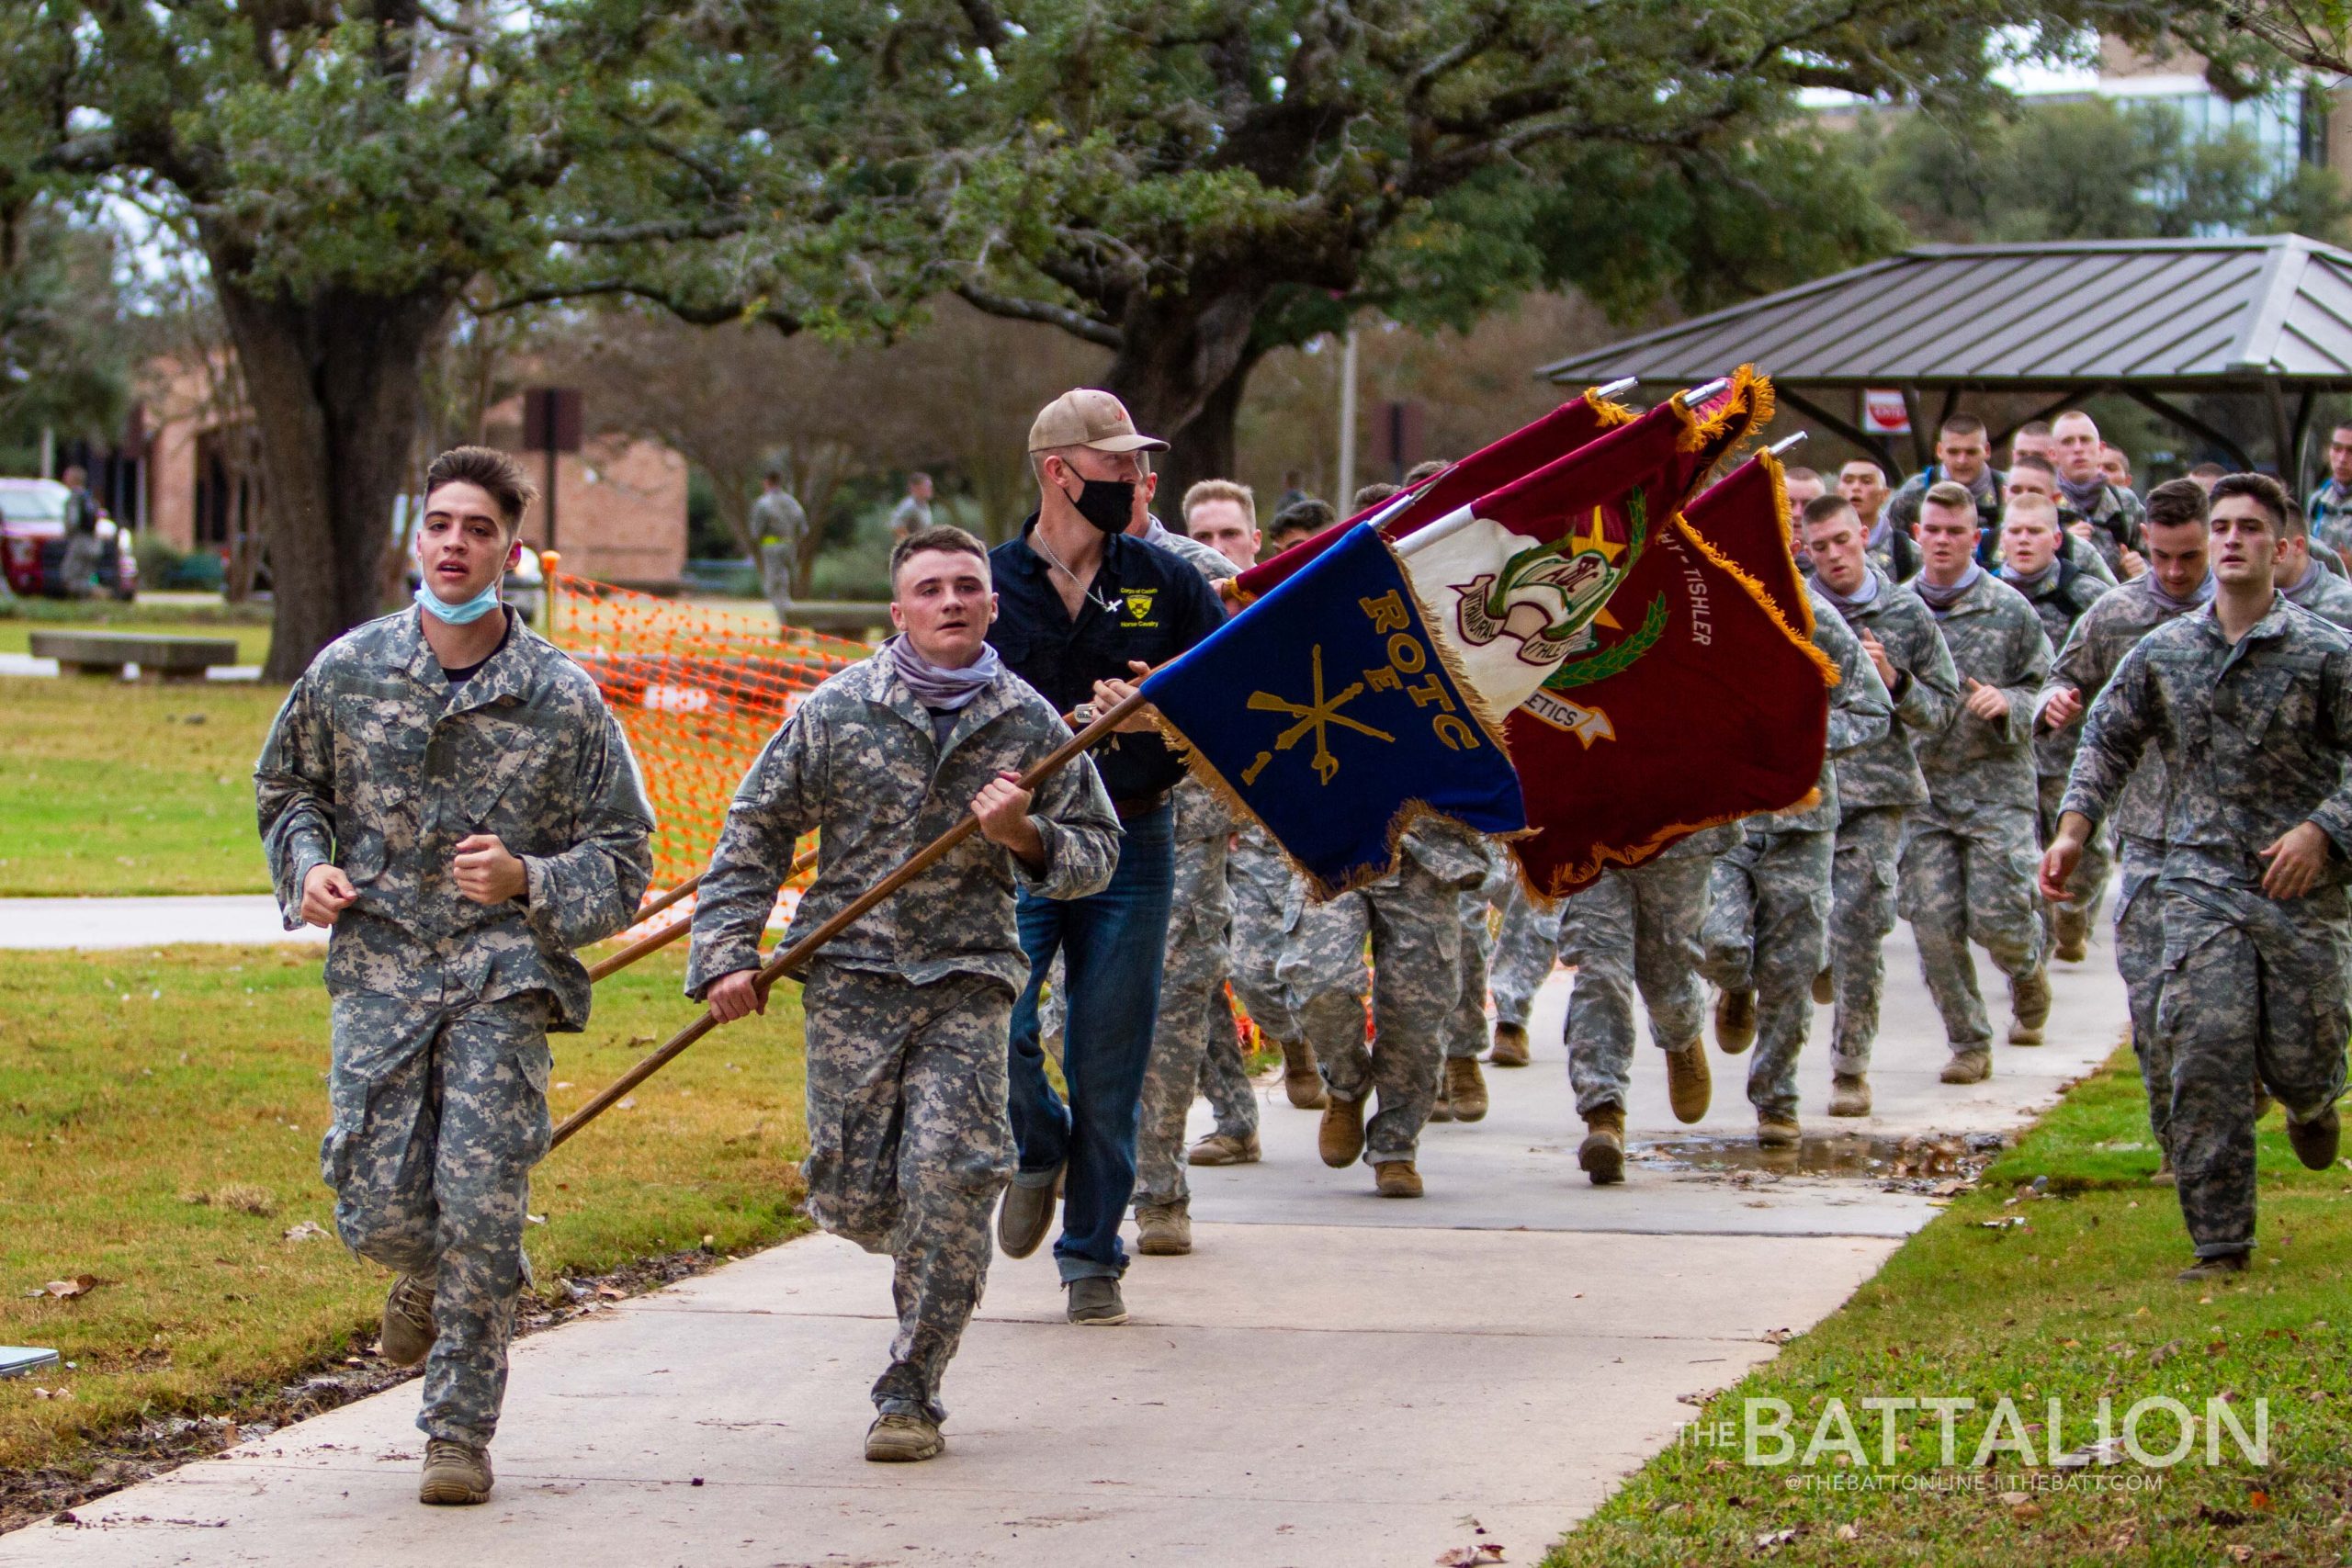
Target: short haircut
(2267, 493)
(2083, 414)
(2037, 462)
(2212, 470)
(2178, 504)
(1799, 474)
(497, 473)
(1219, 489)
(2293, 524)
(918, 478)
(938, 536)
(2341, 426)
(1372, 494)
(1430, 469)
(1873, 464)
(1827, 508)
(1961, 424)
(1949, 493)
(1310, 514)
(2032, 427)
(2041, 508)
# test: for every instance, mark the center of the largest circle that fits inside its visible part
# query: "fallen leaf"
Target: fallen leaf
(2164, 1352)
(612, 1295)
(66, 1290)
(2240, 1552)
(2025, 1511)
(1767, 1540)
(2012, 1500)
(309, 1230)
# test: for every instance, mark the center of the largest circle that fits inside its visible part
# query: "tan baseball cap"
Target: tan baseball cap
(1085, 417)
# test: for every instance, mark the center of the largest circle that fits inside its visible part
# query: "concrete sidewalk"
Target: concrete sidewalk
(228, 918)
(1331, 1379)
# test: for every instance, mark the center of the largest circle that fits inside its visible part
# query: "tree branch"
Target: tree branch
(1075, 322)
(721, 227)
(988, 28)
(695, 314)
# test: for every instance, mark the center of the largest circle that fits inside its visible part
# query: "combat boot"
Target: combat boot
(1511, 1046)
(1224, 1148)
(408, 1321)
(2029, 1005)
(1440, 1108)
(1689, 1085)
(1824, 989)
(902, 1440)
(1397, 1179)
(1300, 1081)
(1465, 1089)
(1777, 1130)
(2071, 927)
(2205, 1269)
(1850, 1095)
(2164, 1176)
(1735, 1020)
(455, 1473)
(1968, 1066)
(2315, 1140)
(1603, 1155)
(1340, 1139)
(1164, 1230)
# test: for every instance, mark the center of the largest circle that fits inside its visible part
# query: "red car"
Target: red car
(32, 543)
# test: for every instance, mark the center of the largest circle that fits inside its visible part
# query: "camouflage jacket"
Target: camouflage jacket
(375, 764)
(2061, 601)
(1926, 693)
(1860, 713)
(2109, 630)
(2329, 510)
(2114, 518)
(856, 765)
(2325, 594)
(2254, 739)
(1995, 638)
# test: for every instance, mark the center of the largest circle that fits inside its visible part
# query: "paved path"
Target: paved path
(1331, 1379)
(146, 922)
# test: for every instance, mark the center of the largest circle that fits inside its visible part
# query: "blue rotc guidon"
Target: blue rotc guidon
(1325, 709)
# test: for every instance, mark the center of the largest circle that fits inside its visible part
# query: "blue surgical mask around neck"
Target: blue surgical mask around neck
(464, 615)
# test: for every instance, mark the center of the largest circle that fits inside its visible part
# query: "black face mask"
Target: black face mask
(1109, 504)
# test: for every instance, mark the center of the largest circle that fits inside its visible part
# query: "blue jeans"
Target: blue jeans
(1111, 944)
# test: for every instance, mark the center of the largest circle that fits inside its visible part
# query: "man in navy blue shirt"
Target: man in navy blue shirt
(1084, 610)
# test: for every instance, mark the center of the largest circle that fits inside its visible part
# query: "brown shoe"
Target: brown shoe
(1465, 1089)
(1025, 1215)
(1968, 1066)
(2070, 926)
(2164, 1176)
(1224, 1148)
(1603, 1155)
(2205, 1269)
(2315, 1140)
(1735, 1020)
(456, 1475)
(1397, 1179)
(408, 1321)
(1824, 989)
(2029, 1003)
(1341, 1141)
(1441, 1108)
(1164, 1230)
(1300, 1081)
(1511, 1046)
(1777, 1130)
(1689, 1085)
(902, 1440)
(1850, 1095)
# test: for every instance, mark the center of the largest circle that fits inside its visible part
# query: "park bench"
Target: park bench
(158, 657)
(840, 617)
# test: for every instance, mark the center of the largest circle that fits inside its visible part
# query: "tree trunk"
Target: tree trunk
(336, 383)
(1181, 370)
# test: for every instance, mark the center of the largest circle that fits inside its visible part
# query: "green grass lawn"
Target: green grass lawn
(109, 788)
(160, 1117)
(2077, 1303)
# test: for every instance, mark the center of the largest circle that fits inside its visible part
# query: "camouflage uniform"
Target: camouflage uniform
(1878, 787)
(441, 1006)
(1224, 1073)
(908, 1010)
(2255, 738)
(1968, 855)
(1412, 918)
(2109, 630)
(1192, 984)
(1465, 1026)
(1527, 946)
(2061, 598)
(2329, 511)
(1767, 914)
(1636, 926)
(2115, 517)
(1261, 884)
(2325, 594)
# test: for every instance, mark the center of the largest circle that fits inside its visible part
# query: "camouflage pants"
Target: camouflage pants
(908, 1146)
(2089, 882)
(1766, 930)
(2252, 987)
(1637, 928)
(1225, 1076)
(2140, 959)
(1970, 875)
(440, 1112)
(1261, 883)
(1465, 1025)
(1192, 984)
(1527, 945)
(1413, 921)
(1862, 877)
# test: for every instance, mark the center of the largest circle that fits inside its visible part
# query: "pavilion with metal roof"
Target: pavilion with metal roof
(2268, 317)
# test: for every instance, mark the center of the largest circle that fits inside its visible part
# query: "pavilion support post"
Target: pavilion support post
(2282, 436)
(1911, 414)
(2180, 416)
(1845, 427)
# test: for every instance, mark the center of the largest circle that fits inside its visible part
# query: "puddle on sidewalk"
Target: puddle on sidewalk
(1919, 1163)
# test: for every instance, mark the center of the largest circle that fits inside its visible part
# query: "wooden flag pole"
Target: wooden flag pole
(663, 938)
(789, 961)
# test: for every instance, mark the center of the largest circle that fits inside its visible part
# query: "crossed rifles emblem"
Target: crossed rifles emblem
(1315, 718)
